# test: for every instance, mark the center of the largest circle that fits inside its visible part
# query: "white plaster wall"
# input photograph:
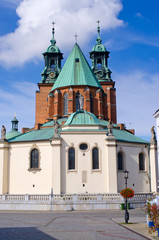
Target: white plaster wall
(72, 180)
(21, 180)
(138, 180)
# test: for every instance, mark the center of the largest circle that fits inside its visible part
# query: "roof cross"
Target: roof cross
(76, 36)
(53, 23)
(98, 22)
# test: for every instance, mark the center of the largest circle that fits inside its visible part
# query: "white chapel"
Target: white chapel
(76, 145)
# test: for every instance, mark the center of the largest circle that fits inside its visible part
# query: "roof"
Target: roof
(76, 71)
(13, 133)
(156, 113)
(82, 117)
(99, 48)
(35, 135)
(124, 136)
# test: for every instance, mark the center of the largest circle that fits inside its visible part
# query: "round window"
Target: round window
(83, 146)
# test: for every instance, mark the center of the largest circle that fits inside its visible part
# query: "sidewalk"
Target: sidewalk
(140, 227)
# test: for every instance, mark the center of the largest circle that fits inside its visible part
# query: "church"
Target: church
(76, 145)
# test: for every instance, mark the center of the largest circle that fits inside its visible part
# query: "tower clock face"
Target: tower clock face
(52, 75)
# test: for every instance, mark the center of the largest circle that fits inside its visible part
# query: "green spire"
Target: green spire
(76, 71)
(53, 41)
(98, 40)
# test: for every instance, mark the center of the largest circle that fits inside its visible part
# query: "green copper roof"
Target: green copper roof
(82, 117)
(124, 136)
(35, 135)
(78, 118)
(76, 71)
(13, 133)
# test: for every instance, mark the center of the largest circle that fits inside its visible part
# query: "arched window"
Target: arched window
(141, 162)
(99, 64)
(79, 101)
(71, 158)
(120, 161)
(65, 104)
(52, 65)
(34, 158)
(91, 102)
(95, 158)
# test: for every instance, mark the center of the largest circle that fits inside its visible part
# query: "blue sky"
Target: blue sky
(129, 30)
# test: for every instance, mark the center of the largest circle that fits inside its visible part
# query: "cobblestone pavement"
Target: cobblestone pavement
(69, 225)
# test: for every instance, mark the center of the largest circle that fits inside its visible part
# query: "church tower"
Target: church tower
(99, 56)
(52, 58)
(76, 86)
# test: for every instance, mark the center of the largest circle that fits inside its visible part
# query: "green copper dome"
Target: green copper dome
(82, 117)
(99, 47)
(53, 48)
(76, 71)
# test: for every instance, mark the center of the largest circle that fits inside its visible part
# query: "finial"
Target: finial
(53, 41)
(76, 36)
(98, 40)
(15, 115)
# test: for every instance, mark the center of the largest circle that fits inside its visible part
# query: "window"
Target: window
(65, 104)
(52, 65)
(95, 158)
(91, 102)
(141, 162)
(79, 101)
(34, 159)
(99, 64)
(76, 59)
(120, 162)
(83, 146)
(71, 158)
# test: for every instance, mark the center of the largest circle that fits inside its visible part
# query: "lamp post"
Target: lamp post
(126, 210)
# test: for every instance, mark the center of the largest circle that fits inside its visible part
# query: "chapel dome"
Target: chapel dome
(82, 117)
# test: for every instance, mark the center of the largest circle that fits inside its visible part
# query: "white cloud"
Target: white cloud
(34, 27)
(137, 100)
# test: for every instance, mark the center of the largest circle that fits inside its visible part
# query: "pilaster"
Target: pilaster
(56, 143)
(4, 167)
(111, 164)
(153, 166)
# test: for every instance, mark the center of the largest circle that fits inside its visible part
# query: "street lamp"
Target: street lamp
(126, 210)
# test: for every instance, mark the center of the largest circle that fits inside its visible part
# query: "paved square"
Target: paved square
(68, 225)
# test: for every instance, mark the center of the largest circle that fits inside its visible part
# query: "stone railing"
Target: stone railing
(69, 201)
(116, 197)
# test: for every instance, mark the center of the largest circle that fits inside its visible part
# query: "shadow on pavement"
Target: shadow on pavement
(28, 233)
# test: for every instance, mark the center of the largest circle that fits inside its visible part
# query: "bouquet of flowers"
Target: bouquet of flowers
(127, 193)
